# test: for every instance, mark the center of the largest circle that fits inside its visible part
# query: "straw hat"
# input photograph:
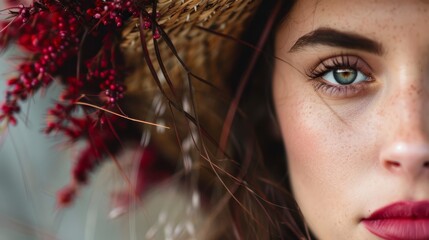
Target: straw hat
(122, 62)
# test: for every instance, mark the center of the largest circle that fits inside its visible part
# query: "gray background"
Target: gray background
(33, 167)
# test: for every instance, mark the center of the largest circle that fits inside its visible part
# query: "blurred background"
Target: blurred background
(33, 167)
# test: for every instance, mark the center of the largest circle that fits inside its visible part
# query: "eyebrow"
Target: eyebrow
(335, 38)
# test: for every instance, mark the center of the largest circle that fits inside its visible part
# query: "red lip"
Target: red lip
(400, 221)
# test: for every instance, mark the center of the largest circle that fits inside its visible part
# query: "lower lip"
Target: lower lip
(399, 229)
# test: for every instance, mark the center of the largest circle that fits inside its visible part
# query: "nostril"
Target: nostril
(426, 164)
(393, 164)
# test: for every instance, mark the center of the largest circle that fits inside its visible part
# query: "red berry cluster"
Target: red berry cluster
(49, 48)
(108, 79)
(148, 24)
(76, 42)
(55, 33)
(112, 12)
(114, 92)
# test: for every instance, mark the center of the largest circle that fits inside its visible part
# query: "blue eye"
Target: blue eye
(344, 76)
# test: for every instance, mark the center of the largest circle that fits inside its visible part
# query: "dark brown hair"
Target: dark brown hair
(242, 177)
(265, 188)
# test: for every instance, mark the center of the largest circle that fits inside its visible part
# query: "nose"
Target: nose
(406, 139)
(406, 158)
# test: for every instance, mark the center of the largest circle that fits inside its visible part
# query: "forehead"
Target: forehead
(386, 20)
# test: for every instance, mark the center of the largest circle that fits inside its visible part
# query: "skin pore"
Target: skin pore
(351, 99)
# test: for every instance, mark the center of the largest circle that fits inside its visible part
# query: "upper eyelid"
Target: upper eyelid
(343, 59)
(347, 60)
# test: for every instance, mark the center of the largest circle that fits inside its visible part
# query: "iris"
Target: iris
(345, 76)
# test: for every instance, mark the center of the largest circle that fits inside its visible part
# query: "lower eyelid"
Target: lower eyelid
(340, 91)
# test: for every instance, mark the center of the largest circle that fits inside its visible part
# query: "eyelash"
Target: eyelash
(341, 61)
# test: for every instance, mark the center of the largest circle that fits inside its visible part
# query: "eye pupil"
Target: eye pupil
(345, 76)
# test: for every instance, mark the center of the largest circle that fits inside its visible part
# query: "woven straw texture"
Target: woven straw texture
(205, 54)
(179, 19)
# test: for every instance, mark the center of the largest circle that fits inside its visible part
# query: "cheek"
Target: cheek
(326, 156)
(318, 142)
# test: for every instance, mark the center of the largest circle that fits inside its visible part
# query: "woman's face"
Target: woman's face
(352, 99)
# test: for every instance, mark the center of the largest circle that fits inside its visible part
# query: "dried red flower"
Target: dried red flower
(75, 42)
